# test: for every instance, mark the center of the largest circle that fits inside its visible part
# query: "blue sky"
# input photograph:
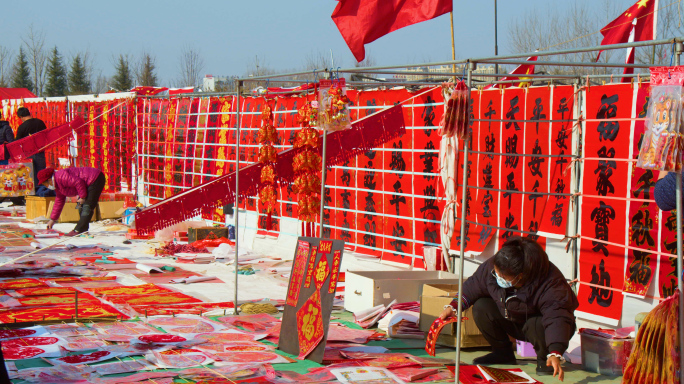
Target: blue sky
(229, 33)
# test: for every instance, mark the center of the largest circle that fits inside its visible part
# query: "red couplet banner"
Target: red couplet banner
(512, 163)
(489, 165)
(536, 160)
(554, 218)
(605, 187)
(643, 214)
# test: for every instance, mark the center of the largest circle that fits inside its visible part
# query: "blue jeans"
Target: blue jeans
(4, 162)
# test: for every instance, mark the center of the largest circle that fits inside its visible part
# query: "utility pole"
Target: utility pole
(496, 36)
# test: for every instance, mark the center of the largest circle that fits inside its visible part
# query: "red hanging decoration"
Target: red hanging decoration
(306, 166)
(268, 194)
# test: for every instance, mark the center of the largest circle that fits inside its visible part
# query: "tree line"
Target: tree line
(46, 72)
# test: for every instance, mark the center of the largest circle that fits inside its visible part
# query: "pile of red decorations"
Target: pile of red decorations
(171, 248)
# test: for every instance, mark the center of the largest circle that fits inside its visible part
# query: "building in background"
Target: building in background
(438, 74)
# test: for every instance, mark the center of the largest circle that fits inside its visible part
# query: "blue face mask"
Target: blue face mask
(503, 283)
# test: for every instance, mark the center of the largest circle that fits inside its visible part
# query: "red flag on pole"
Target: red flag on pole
(618, 31)
(364, 21)
(523, 69)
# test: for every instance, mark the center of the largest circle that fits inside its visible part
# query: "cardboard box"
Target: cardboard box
(70, 214)
(38, 206)
(210, 233)
(109, 209)
(432, 302)
(368, 289)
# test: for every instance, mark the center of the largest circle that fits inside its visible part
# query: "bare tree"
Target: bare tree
(34, 42)
(5, 65)
(101, 84)
(191, 65)
(557, 28)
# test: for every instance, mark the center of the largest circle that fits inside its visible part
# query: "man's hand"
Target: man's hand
(447, 312)
(81, 201)
(50, 224)
(555, 362)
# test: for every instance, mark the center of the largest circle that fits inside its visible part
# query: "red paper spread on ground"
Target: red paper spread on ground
(67, 299)
(8, 333)
(145, 289)
(194, 309)
(162, 298)
(21, 352)
(21, 283)
(85, 358)
(44, 291)
(162, 338)
(60, 312)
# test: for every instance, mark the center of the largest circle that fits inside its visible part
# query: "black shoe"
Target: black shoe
(497, 357)
(542, 369)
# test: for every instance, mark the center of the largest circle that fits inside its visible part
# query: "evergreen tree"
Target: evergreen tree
(79, 83)
(147, 76)
(21, 74)
(56, 76)
(122, 80)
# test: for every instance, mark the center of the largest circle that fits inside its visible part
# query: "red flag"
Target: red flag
(523, 69)
(364, 21)
(618, 30)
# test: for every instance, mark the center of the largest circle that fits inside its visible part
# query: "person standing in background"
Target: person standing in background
(6, 137)
(28, 127)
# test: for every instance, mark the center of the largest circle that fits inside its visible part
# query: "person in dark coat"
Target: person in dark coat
(6, 137)
(520, 293)
(30, 126)
(665, 191)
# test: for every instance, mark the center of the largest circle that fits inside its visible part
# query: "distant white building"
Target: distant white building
(210, 82)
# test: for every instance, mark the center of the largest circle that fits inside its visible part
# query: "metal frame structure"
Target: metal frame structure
(515, 59)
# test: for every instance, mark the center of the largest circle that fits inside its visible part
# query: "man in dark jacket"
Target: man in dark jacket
(6, 136)
(520, 293)
(28, 127)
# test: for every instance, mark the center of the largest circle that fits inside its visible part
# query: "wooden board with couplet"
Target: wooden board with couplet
(310, 296)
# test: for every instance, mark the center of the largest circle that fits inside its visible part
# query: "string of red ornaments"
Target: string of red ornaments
(268, 195)
(307, 165)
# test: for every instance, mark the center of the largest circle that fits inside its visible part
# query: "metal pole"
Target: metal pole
(236, 213)
(577, 169)
(325, 140)
(496, 35)
(679, 47)
(453, 42)
(459, 311)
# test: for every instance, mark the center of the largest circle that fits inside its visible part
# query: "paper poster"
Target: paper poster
(310, 325)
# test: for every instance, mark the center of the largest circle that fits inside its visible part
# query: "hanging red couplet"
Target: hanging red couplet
(512, 137)
(335, 271)
(554, 218)
(489, 164)
(310, 267)
(643, 213)
(536, 161)
(606, 145)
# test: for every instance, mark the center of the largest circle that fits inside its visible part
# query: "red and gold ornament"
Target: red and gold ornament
(306, 165)
(268, 195)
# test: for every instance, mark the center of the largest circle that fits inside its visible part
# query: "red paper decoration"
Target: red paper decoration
(268, 195)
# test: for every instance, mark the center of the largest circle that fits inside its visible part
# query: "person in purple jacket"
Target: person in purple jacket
(85, 182)
(520, 293)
